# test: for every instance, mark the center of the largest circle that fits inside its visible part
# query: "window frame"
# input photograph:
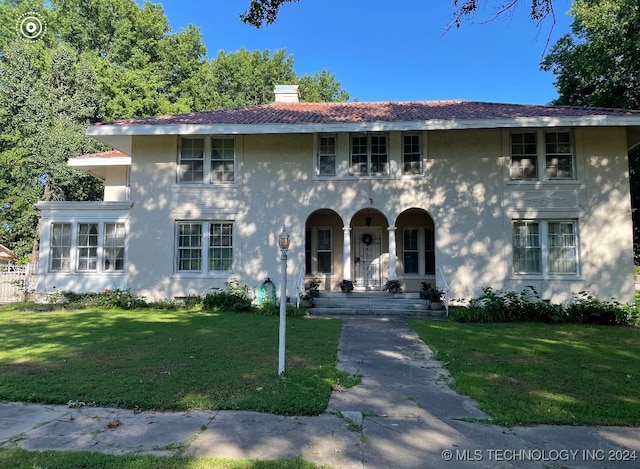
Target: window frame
(64, 260)
(210, 250)
(312, 250)
(544, 248)
(114, 253)
(370, 156)
(416, 155)
(209, 161)
(323, 155)
(542, 169)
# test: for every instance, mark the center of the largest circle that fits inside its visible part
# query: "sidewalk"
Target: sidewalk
(402, 415)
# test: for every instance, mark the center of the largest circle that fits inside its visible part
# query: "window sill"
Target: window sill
(217, 274)
(545, 183)
(554, 277)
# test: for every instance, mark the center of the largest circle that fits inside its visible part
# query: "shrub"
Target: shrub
(119, 299)
(228, 299)
(497, 306)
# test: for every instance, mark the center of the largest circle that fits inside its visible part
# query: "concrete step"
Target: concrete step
(373, 303)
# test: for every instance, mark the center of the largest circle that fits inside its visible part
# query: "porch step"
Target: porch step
(373, 304)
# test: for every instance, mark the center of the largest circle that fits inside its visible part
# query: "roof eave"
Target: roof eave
(436, 124)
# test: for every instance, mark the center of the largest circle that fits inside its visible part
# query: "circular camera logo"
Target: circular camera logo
(31, 27)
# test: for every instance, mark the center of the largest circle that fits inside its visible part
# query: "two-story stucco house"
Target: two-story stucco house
(468, 193)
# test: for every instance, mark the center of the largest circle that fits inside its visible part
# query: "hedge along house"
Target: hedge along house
(474, 194)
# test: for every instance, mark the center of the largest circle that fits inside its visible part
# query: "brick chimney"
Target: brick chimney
(287, 94)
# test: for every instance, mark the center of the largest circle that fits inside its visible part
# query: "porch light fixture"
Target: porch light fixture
(283, 244)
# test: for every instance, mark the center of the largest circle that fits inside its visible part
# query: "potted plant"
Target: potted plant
(424, 290)
(312, 287)
(393, 286)
(345, 285)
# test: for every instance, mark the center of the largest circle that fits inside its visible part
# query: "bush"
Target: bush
(231, 298)
(497, 306)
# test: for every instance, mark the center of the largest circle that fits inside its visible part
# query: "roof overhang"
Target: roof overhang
(116, 135)
(97, 165)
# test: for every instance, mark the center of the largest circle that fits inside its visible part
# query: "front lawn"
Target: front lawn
(160, 359)
(534, 373)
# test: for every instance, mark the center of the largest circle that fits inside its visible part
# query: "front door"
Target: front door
(367, 258)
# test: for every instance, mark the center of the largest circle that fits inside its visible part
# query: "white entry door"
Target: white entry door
(367, 258)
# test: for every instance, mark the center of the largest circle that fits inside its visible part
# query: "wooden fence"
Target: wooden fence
(14, 283)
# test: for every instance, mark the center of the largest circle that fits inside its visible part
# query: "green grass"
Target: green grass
(532, 373)
(167, 360)
(21, 459)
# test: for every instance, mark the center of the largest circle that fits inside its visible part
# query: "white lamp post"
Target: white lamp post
(283, 244)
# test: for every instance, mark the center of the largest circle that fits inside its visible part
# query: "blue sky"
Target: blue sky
(381, 50)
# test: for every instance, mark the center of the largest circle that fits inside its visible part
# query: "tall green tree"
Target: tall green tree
(598, 64)
(47, 98)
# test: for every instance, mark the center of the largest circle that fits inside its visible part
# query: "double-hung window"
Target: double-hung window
(411, 154)
(113, 250)
(369, 155)
(545, 247)
(410, 251)
(191, 165)
(208, 241)
(418, 250)
(87, 246)
(551, 160)
(194, 167)
(60, 247)
(327, 155)
(318, 250)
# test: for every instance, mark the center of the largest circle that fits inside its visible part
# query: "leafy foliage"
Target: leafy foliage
(106, 60)
(498, 306)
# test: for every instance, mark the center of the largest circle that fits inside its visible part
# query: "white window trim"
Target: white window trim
(421, 159)
(206, 170)
(541, 158)
(544, 251)
(319, 155)
(205, 235)
(73, 255)
(370, 173)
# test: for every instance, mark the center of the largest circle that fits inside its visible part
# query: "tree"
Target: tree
(599, 63)
(265, 12)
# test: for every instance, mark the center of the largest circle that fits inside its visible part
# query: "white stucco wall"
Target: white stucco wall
(466, 190)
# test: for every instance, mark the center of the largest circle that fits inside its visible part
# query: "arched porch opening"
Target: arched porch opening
(323, 248)
(416, 248)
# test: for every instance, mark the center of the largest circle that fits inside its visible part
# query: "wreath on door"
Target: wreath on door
(367, 239)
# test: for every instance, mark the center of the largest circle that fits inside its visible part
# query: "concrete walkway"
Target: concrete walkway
(402, 415)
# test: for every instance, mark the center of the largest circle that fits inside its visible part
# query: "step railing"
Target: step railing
(445, 290)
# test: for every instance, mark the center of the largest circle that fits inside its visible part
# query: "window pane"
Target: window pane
(191, 165)
(87, 244)
(523, 156)
(60, 251)
(222, 160)
(327, 156)
(220, 246)
(114, 246)
(562, 248)
(411, 158)
(379, 157)
(189, 247)
(429, 251)
(559, 155)
(410, 254)
(324, 253)
(526, 248)
(359, 155)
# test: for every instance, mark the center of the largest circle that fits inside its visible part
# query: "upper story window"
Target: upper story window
(551, 160)
(411, 154)
(327, 155)
(217, 168)
(369, 155)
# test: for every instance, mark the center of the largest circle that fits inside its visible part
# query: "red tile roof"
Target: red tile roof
(104, 154)
(327, 113)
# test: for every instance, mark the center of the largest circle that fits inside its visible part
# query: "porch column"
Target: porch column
(392, 252)
(346, 253)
